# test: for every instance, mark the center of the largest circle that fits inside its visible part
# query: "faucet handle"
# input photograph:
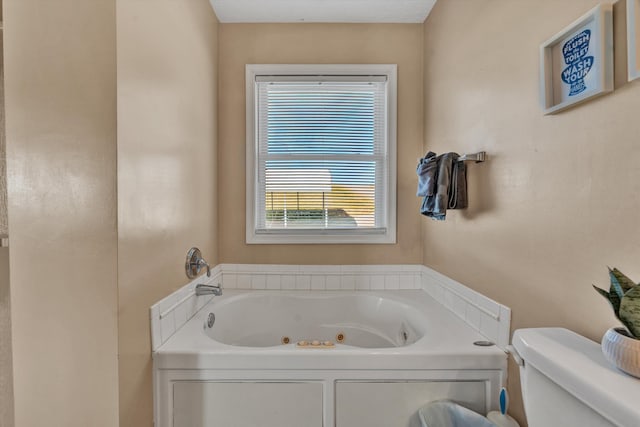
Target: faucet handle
(194, 263)
(203, 263)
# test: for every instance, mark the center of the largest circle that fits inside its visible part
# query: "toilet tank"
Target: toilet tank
(567, 382)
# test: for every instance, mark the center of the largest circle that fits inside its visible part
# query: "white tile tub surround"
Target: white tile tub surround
(321, 277)
(172, 312)
(489, 318)
(486, 316)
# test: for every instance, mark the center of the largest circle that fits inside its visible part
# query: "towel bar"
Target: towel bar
(478, 157)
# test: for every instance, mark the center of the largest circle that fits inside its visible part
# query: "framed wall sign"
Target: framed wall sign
(633, 39)
(577, 63)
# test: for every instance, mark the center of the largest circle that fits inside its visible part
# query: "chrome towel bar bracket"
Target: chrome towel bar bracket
(478, 157)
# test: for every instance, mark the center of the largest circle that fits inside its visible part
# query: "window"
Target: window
(321, 153)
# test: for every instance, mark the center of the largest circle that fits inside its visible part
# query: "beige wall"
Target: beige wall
(61, 164)
(4, 223)
(167, 80)
(6, 367)
(559, 198)
(242, 44)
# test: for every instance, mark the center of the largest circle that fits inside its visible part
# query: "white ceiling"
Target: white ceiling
(397, 11)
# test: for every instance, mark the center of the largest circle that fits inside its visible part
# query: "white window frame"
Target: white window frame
(351, 236)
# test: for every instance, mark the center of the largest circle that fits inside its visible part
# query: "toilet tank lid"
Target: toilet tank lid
(576, 364)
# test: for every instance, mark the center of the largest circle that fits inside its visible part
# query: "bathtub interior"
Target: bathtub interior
(261, 319)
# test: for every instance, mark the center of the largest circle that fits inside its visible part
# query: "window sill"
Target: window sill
(321, 238)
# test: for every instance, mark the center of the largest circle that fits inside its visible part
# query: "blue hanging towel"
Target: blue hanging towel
(426, 171)
(440, 186)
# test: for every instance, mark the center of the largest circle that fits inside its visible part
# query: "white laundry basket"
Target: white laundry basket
(449, 414)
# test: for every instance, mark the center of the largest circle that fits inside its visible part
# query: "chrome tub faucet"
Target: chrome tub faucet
(209, 290)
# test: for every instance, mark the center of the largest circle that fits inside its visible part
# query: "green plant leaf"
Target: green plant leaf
(630, 311)
(613, 299)
(625, 283)
(615, 287)
(601, 292)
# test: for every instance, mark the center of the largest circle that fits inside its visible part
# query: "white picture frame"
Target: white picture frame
(633, 39)
(577, 63)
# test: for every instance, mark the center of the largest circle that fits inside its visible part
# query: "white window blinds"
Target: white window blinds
(321, 154)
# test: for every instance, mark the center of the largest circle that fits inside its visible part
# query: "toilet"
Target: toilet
(566, 382)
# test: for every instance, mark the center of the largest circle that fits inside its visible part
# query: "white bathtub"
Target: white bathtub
(315, 320)
(400, 349)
